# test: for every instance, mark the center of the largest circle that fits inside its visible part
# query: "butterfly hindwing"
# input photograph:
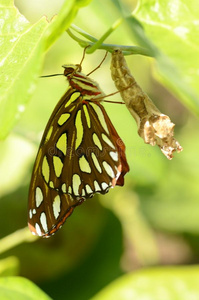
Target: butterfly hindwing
(50, 209)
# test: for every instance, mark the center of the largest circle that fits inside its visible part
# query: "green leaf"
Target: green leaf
(81, 3)
(12, 288)
(14, 168)
(174, 205)
(21, 57)
(170, 283)
(61, 22)
(172, 26)
(9, 266)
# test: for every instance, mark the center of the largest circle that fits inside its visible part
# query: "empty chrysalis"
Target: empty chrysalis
(154, 127)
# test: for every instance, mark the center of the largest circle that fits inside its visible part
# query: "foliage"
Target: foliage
(20, 288)
(155, 215)
(170, 283)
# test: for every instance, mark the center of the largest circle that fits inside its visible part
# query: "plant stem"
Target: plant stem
(98, 44)
(16, 238)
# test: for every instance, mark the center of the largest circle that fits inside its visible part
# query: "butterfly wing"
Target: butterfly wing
(48, 205)
(80, 154)
(105, 151)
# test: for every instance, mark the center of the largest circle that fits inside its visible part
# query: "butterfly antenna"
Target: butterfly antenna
(99, 64)
(83, 56)
(52, 75)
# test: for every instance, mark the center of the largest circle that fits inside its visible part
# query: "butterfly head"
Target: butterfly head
(70, 70)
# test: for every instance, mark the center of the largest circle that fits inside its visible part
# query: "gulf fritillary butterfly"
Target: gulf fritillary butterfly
(80, 155)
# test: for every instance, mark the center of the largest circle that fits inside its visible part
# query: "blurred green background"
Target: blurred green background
(152, 220)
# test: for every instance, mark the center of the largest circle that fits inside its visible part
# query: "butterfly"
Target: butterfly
(80, 154)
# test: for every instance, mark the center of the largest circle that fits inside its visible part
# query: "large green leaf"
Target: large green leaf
(171, 283)
(22, 49)
(21, 58)
(172, 27)
(12, 288)
(64, 19)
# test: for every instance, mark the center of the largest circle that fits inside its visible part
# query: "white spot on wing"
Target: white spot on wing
(97, 141)
(58, 165)
(38, 196)
(64, 188)
(114, 155)
(51, 184)
(108, 169)
(105, 186)
(100, 116)
(108, 141)
(88, 189)
(76, 184)
(30, 214)
(48, 135)
(83, 193)
(57, 206)
(63, 118)
(87, 116)
(84, 165)
(62, 143)
(44, 221)
(45, 169)
(79, 129)
(96, 186)
(38, 229)
(96, 163)
(69, 190)
(73, 98)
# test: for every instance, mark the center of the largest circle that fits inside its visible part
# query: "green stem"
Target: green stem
(16, 238)
(98, 44)
(105, 35)
(83, 33)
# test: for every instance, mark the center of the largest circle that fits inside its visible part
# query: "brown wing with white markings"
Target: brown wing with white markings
(80, 154)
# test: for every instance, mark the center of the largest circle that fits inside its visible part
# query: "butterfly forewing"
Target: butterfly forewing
(80, 154)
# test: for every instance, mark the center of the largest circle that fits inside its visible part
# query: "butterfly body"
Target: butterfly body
(82, 83)
(80, 155)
